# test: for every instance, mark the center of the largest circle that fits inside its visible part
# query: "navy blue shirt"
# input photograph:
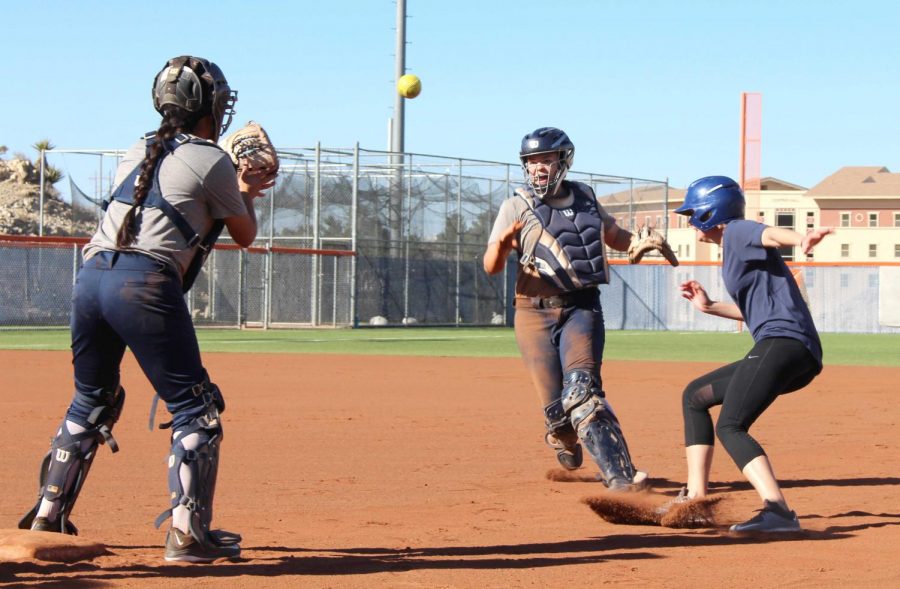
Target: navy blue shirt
(761, 285)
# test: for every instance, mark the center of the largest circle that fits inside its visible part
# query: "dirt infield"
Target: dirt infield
(431, 472)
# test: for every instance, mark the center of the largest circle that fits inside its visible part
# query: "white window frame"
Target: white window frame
(869, 217)
(846, 216)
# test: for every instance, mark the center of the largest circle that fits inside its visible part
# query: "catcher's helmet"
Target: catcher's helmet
(198, 86)
(547, 140)
(711, 201)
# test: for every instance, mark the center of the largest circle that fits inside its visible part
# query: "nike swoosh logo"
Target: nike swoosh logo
(178, 540)
(748, 357)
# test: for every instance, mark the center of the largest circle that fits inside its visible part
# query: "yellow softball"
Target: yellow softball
(409, 86)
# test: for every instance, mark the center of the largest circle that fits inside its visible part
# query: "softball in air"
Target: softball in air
(409, 86)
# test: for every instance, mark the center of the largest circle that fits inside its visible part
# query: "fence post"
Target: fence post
(458, 235)
(506, 311)
(317, 193)
(354, 205)
(267, 287)
(270, 264)
(41, 200)
(334, 283)
(241, 282)
(406, 241)
(74, 263)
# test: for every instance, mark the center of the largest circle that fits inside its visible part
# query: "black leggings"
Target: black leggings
(745, 389)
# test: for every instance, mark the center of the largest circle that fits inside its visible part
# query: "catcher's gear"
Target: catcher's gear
(547, 140)
(561, 436)
(193, 468)
(647, 239)
(198, 86)
(251, 148)
(66, 465)
(125, 194)
(711, 201)
(569, 253)
(599, 430)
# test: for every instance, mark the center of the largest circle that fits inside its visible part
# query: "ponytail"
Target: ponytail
(175, 120)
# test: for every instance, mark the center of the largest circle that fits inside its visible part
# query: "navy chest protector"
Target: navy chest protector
(570, 253)
(125, 194)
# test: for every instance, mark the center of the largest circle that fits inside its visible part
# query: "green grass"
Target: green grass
(840, 349)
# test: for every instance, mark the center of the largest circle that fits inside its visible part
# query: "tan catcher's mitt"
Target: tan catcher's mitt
(647, 239)
(251, 148)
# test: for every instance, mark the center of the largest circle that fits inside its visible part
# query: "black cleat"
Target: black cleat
(181, 547)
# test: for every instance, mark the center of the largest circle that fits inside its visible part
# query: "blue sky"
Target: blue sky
(644, 88)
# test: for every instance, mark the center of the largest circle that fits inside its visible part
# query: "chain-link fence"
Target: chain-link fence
(253, 287)
(417, 223)
(289, 287)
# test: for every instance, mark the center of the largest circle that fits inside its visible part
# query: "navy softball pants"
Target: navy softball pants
(130, 299)
(555, 341)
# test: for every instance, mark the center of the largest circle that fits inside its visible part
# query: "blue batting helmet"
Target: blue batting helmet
(711, 201)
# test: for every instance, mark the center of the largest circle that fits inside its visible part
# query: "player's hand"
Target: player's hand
(813, 237)
(696, 294)
(255, 182)
(509, 239)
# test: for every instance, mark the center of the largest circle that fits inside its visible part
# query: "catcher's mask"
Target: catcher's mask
(711, 201)
(547, 140)
(198, 86)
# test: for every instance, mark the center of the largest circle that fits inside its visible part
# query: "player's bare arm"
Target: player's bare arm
(497, 252)
(617, 238)
(696, 294)
(780, 237)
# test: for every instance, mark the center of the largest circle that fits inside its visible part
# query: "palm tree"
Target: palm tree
(52, 174)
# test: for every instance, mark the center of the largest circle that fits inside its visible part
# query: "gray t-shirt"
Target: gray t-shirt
(513, 209)
(200, 182)
(761, 285)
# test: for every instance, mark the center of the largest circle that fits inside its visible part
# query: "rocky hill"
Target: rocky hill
(20, 202)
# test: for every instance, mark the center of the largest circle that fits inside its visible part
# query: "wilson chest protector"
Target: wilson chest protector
(569, 253)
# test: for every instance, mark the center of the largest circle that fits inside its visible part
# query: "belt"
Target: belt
(130, 260)
(586, 297)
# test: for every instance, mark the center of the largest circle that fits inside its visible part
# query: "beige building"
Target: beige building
(861, 202)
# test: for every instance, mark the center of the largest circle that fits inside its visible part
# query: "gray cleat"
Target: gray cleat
(771, 518)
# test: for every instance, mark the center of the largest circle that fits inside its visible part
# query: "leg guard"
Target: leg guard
(66, 465)
(598, 429)
(193, 468)
(561, 436)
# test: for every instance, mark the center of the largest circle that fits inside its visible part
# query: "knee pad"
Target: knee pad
(66, 466)
(202, 395)
(598, 428)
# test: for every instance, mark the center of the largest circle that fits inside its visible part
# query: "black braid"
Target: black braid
(175, 120)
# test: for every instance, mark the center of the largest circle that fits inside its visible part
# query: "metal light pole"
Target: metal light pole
(396, 137)
(399, 69)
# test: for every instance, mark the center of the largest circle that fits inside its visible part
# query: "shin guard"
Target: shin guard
(599, 429)
(193, 469)
(66, 466)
